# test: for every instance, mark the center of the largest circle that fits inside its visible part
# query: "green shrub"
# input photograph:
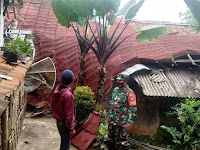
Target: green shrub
(84, 100)
(187, 134)
(102, 137)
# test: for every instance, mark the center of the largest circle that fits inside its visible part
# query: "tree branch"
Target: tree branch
(100, 26)
(97, 42)
(115, 31)
(77, 26)
(86, 27)
(88, 47)
(92, 35)
(113, 44)
(94, 50)
(101, 51)
(114, 48)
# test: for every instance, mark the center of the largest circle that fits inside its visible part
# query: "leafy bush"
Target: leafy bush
(187, 134)
(102, 136)
(19, 46)
(84, 99)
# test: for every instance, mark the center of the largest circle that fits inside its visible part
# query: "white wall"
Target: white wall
(1, 22)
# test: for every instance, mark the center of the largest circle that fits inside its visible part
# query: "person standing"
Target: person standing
(63, 109)
(121, 114)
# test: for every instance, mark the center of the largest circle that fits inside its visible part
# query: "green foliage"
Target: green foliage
(150, 33)
(68, 11)
(102, 136)
(84, 99)
(19, 46)
(102, 42)
(133, 10)
(127, 6)
(102, 7)
(194, 6)
(190, 19)
(187, 135)
(162, 137)
(63, 10)
(143, 138)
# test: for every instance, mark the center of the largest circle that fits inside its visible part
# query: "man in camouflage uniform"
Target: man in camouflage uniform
(122, 113)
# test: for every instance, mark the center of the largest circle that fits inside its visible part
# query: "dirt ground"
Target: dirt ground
(39, 133)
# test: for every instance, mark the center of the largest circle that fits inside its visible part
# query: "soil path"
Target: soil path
(39, 133)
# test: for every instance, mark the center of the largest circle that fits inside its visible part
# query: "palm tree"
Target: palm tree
(104, 13)
(84, 47)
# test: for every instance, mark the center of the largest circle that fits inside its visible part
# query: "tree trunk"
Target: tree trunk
(81, 70)
(99, 92)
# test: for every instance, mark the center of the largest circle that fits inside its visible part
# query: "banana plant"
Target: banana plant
(71, 14)
(104, 14)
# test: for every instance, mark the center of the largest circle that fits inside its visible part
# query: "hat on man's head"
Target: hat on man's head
(122, 77)
(67, 77)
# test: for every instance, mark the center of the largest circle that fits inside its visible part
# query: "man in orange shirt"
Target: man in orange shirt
(122, 112)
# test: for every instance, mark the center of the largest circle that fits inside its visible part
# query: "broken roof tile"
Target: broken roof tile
(6, 66)
(17, 73)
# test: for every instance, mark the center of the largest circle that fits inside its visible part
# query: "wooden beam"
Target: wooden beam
(4, 103)
(4, 128)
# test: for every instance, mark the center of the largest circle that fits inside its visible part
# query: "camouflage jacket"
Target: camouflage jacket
(122, 109)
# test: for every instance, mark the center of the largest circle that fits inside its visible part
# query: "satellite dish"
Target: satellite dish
(39, 81)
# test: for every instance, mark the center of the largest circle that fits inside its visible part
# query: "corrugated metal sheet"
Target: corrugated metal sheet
(170, 82)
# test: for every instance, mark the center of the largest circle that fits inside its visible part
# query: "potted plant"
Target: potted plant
(17, 49)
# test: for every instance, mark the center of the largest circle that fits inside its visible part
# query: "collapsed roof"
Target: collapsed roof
(159, 80)
(59, 43)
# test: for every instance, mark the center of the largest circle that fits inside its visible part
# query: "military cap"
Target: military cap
(122, 77)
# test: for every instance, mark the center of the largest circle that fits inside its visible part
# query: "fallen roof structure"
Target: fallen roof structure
(170, 81)
(59, 43)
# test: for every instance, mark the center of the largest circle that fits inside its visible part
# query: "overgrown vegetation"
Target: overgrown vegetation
(75, 13)
(102, 136)
(192, 21)
(84, 99)
(187, 134)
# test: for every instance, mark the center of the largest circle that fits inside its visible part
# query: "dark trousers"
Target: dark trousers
(117, 138)
(64, 135)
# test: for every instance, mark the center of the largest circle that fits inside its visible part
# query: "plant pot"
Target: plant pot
(5, 53)
(12, 57)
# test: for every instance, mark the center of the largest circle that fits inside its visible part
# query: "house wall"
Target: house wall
(147, 120)
(1, 22)
(151, 112)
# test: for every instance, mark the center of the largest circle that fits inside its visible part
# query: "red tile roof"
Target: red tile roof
(7, 87)
(54, 40)
(88, 132)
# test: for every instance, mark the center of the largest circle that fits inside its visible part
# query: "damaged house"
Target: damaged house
(159, 86)
(172, 62)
